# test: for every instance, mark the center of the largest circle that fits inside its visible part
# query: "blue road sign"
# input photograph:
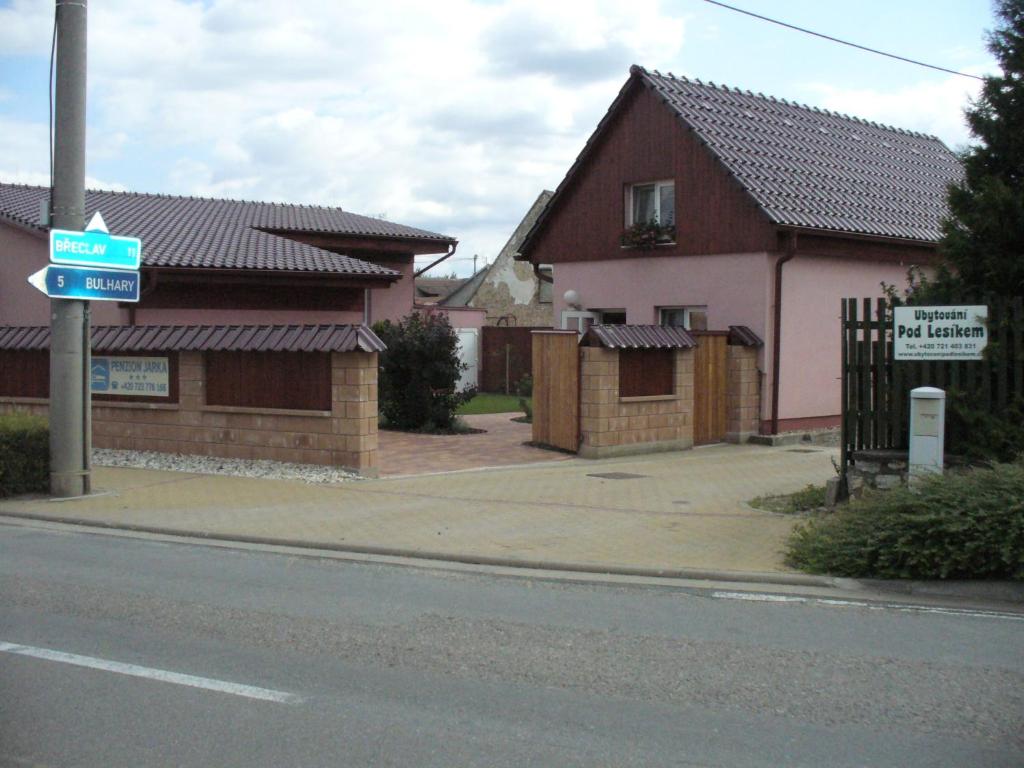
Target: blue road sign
(60, 282)
(95, 247)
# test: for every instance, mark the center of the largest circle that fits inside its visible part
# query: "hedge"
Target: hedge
(961, 525)
(24, 454)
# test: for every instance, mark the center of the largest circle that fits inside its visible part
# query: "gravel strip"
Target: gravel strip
(214, 465)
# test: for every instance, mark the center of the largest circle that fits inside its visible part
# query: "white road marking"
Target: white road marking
(161, 675)
(768, 598)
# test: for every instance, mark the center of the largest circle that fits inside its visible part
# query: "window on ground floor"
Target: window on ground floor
(612, 316)
(690, 318)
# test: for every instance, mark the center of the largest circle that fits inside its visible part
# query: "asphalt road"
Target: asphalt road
(125, 652)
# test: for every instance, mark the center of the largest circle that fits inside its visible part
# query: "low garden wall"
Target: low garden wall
(611, 425)
(343, 435)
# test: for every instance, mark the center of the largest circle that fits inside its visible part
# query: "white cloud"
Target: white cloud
(450, 115)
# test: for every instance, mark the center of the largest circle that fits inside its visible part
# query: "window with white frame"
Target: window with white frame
(690, 318)
(544, 289)
(652, 203)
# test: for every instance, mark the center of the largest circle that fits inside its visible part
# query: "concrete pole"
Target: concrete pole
(70, 440)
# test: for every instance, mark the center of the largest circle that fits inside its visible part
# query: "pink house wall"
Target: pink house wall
(395, 302)
(732, 286)
(737, 290)
(812, 287)
(241, 317)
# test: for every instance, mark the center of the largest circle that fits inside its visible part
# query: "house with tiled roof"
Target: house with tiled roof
(211, 261)
(250, 340)
(707, 206)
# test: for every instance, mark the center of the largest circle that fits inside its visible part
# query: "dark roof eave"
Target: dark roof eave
(36, 230)
(208, 338)
(847, 235)
(418, 245)
(241, 274)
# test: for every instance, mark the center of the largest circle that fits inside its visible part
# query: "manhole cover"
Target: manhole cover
(803, 450)
(617, 475)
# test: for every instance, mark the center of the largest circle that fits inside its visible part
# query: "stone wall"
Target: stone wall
(743, 394)
(880, 469)
(344, 436)
(496, 296)
(615, 426)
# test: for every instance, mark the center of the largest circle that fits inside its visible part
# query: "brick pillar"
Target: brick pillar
(599, 397)
(354, 410)
(743, 394)
(684, 391)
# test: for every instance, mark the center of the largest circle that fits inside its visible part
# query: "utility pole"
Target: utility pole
(70, 398)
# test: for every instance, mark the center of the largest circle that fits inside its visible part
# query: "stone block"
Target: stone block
(886, 482)
(345, 393)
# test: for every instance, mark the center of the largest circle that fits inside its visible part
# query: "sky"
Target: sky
(451, 115)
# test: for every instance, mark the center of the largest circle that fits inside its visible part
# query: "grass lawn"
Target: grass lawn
(487, 403)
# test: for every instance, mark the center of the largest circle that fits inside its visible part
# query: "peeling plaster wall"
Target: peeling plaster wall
(510, 288)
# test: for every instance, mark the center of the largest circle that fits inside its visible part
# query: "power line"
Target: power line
(841, 42)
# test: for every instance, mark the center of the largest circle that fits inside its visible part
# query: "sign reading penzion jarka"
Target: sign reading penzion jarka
(940, 333)
(134, 376)
(95, 247)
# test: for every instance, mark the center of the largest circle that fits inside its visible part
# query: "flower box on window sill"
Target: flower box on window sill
(648, 234)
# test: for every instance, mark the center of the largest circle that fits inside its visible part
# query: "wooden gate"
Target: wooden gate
(556, 389)
(710, 368)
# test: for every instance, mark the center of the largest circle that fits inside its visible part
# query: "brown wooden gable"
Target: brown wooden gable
(645, 142)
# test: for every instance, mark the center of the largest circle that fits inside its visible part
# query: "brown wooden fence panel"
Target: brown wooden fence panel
(710, 371)
(505, 356)
(24, 373)
(876, 387)
(556, 389)
(290, 380)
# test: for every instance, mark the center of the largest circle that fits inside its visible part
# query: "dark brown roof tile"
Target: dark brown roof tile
(222, 234)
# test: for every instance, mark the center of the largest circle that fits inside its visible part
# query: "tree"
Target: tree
(419, 372)
(982, 247)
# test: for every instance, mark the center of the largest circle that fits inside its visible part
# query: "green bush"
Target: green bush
(419, 372)
(966, 525)
(24, 454)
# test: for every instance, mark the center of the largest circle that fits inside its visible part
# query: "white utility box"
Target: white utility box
(927, 431)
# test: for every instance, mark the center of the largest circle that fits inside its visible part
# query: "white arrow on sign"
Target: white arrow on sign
(38, 279)
(97, 224)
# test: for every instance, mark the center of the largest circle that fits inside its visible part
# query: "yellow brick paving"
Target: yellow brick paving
(688, 511)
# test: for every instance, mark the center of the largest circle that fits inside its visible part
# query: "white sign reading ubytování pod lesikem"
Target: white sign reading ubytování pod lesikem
(940, 333)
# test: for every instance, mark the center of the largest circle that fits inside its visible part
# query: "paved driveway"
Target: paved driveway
(682, 510)
(501, 445)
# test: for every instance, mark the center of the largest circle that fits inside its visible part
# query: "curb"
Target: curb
(696, 574)
(1009, 593)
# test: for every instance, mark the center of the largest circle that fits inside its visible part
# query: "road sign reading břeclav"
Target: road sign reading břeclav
(95, 247)
(62, 282)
